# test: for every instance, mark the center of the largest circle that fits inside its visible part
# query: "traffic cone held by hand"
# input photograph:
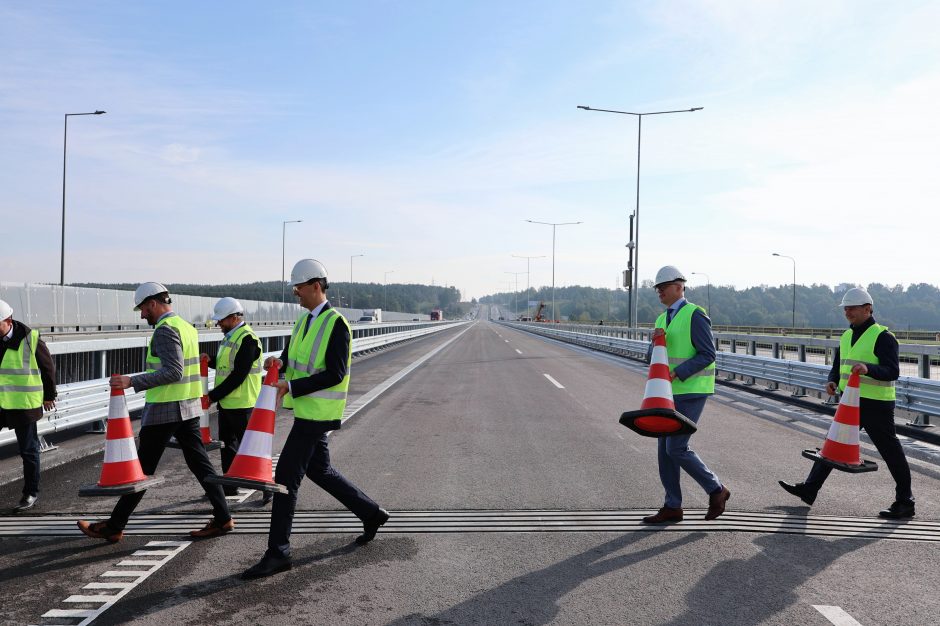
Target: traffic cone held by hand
(121, 473)
(204, 419)
(657, 416)
(841, 449)
(252, 466)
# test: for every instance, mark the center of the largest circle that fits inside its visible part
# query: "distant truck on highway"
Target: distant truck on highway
(437, 315)
(371, 316)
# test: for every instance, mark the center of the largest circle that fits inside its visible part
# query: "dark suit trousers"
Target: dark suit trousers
(153, 440)
(877, 418)
(232, 425)
(306, 453)
(27, 437)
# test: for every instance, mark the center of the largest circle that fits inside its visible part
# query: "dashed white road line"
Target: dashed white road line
(553, 381)
(836, 615)
(153, 556)
(518, 350)
(506, 340)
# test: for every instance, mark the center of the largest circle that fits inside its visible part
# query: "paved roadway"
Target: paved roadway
(515, 499)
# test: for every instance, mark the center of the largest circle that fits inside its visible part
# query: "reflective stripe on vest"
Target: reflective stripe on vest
(20, 380)
(190, 386)
(306, 355)
(863, 352)
(680, 349)
(246, 394)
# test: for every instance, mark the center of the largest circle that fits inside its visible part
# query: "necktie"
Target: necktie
(307, 327)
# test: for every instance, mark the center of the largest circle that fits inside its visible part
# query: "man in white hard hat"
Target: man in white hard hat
(27, 388)
(237, 367)
(316, 364)
(172, 409)
(691, 349)
(870, 350)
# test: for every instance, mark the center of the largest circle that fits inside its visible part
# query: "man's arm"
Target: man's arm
(886, 349)
(704, 343)
(337, 354)
(168, 347)
(46, 372)
(244, 359)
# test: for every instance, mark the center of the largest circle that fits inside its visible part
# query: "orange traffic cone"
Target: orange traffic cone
(841, 449)
(252, 466)
(120, 472)
(657, 416)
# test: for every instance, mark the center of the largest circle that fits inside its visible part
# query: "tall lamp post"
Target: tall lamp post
(554, 225)
(385, 299)
(516, 292)
(636, 215)
(794, 285)
(283, 254)
(351, 257)
(708, 290)
(528, 260)
(65, 144)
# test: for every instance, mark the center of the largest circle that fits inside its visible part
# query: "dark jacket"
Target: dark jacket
(15, 418)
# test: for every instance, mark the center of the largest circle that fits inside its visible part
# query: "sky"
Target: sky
(423, 134)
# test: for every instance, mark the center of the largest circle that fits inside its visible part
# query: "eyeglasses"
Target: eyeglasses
(665, 286)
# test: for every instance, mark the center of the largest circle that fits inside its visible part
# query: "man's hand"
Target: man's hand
(283, 388)
(120, 382)
(272, 361)
(48, 405)
(659, 332)
(831, 389)
(672, 375)
(860, 368)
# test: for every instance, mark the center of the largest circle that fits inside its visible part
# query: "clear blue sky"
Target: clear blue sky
(424, 134)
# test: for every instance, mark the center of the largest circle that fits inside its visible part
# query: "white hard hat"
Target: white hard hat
(668, 274)
(305, 270)
(225, 307)
(6, 311)
(856, 296)
(147, 290)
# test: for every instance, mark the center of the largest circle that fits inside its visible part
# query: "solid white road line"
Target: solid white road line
(836, 615)
(553, 381)
(518, 350)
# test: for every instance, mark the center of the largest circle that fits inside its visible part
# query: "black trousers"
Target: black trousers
(153, 440)
(877, 418)
(306, 453)
(232, 425)
(27, 438)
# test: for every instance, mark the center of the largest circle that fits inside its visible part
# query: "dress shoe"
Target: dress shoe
(266, 498)
(267, 566)
(229, 491)
(665, 515)
(26, 502)
(100, 530)
(213, 529)
(898, 510)
(716, 503)
(800, 490)
(372, 526)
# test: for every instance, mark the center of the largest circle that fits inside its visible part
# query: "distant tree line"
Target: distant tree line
(916, 307)
(406, 298)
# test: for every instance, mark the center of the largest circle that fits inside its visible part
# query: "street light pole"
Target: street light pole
(283, 254)
(553, 225)
(708, 290)
(793, 323)
(636, 241)
(385, 300)
(351, 257)
(528, 260)
(65, 143)
(516, 293)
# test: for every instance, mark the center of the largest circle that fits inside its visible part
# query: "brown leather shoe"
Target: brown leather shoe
(716, 503)
(665, 515)
(213, 529)
(100, 530)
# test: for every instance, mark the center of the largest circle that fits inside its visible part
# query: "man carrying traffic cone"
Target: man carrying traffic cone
(691, 350)
(870, 350)
(172, 409)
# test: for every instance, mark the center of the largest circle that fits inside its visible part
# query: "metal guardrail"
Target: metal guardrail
(86, 402)
(915, 394)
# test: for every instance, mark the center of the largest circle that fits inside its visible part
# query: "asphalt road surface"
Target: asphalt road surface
(515, 499)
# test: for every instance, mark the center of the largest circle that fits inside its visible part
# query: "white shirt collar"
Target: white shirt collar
(242, 323)
(675, 306)
(9, 335)
(316, 311)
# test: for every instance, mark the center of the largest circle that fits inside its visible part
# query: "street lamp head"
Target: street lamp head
(775, 254)
(581, 106)
(100, 112)
(696, 109)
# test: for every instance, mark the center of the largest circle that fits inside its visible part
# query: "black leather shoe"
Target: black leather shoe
(665, 515)
(800, 490)
(26, 502)
(266, 497)
(898, 510)
(372, 526)
(267, 566)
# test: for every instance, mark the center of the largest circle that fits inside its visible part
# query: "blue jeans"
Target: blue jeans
(675, 454)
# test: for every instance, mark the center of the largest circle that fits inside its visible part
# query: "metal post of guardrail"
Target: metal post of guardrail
(775, 351)
(800, 392)
(751, 350)
(733, 348)
(922, 420)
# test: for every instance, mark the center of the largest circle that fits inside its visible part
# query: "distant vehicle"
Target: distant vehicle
(371, 316)
(525, 319)
(437, 315)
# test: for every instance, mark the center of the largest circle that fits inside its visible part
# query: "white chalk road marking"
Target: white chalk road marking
(553, 381)
(98, 597)
(836, 615)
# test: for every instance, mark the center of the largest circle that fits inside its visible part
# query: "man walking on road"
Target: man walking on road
(870, 350)
(237, 378)
(172, 409)
(316, 364)
(27, 387)
(691, 349)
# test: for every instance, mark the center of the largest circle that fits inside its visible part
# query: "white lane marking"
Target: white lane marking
(518, 350)
(553, 381)
(158, 558)
(621, 436)
(836, 615)
(506, 340)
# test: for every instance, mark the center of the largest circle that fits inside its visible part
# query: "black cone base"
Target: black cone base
(866, 465)
(215, 444)
(119, 490)
(248, 483)
(658, 422)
